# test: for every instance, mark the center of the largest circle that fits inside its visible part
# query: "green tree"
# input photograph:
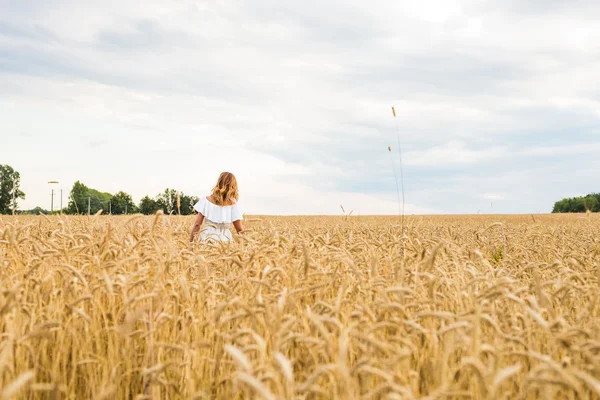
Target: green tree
(36, 211)
(590, 203)
(121, 203)
(167, 201)
(581, 204)
(596, 207)
(10, 180)
(99, 200)
(148, 206)
(78, 199)
(187, 203)
(81, 194)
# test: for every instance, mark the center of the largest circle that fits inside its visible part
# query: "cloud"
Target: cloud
(97, 143)
(564, 150)
(493, 196)
(453, 153)
(491, 98)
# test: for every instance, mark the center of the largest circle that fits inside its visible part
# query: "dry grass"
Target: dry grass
(499, 307)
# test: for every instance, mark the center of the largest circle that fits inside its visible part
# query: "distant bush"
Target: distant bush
(581, 204)
(34, 211)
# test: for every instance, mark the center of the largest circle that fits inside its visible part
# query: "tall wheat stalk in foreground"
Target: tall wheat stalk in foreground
(498, 307)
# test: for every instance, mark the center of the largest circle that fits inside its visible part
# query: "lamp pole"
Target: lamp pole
(52, 201)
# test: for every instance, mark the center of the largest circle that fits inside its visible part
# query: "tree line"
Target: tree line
(83, 199)
(580, 204)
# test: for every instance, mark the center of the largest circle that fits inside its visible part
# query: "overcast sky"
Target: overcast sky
(498, 102)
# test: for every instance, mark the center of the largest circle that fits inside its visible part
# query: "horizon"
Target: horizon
(339, 213)
(496, 104)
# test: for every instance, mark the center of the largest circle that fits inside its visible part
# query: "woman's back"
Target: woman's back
(218, 219)
(220, 210)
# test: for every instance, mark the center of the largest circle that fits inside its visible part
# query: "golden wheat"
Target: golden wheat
(497, 307)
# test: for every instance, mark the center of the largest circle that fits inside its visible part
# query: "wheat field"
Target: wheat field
(479, 307)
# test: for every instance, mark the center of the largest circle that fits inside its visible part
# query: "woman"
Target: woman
(220, 209)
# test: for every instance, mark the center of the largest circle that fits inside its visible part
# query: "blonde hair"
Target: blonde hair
(225, 191)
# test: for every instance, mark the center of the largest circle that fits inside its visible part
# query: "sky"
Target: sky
(497, 102)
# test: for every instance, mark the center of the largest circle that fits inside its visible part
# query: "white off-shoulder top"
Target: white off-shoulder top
(218, 220)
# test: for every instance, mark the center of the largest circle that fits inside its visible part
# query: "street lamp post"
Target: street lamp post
(52, 201)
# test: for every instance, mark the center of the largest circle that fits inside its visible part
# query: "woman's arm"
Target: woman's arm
(196, 226)
(238, 226)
